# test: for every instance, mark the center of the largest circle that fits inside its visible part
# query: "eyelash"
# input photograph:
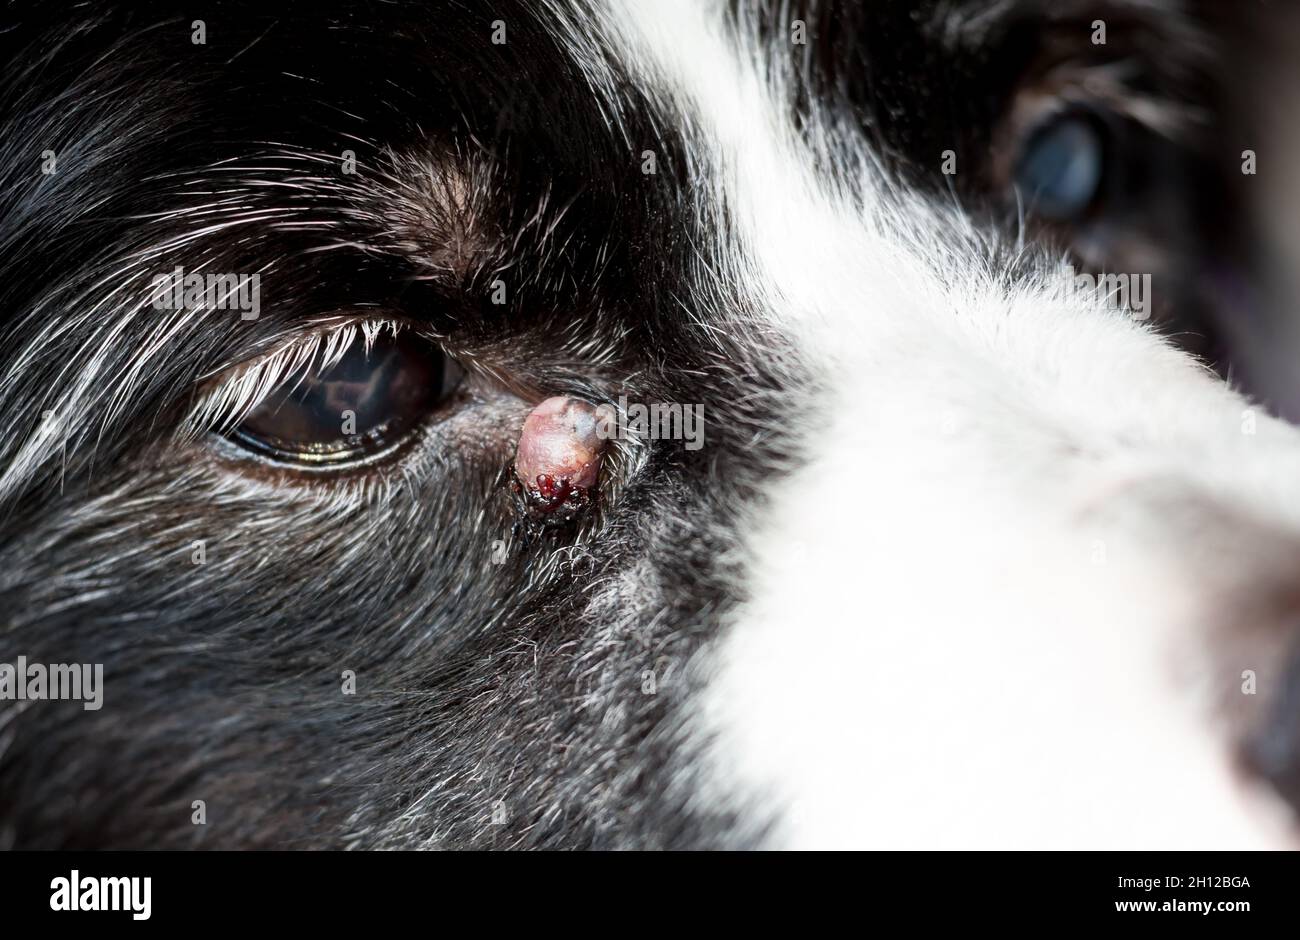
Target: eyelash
(229, 399)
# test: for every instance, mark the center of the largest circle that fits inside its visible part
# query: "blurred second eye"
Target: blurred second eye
(1061, 168)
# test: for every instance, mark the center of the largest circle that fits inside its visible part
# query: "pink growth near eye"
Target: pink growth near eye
(558, 460)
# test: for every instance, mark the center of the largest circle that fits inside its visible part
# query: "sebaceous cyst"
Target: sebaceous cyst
(557, 464)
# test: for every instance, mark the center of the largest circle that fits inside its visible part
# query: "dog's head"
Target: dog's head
(916, 514)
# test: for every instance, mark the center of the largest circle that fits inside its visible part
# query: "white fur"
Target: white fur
(980, 610)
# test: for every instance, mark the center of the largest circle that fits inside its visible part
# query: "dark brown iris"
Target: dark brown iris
(361, 405)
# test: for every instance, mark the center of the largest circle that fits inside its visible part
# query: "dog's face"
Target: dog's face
(928, 551)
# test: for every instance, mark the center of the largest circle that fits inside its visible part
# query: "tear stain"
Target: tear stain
(557, 463)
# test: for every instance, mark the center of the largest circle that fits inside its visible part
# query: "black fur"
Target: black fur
(514, 687)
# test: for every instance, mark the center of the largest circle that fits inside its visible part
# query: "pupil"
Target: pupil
(1061, 169)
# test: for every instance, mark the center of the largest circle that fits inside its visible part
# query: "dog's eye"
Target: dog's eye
(1060, 169)
(343, 408)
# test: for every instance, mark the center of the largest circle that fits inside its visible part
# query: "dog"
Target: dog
(944, 493)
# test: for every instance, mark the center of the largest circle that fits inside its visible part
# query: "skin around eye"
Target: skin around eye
(364, 403)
